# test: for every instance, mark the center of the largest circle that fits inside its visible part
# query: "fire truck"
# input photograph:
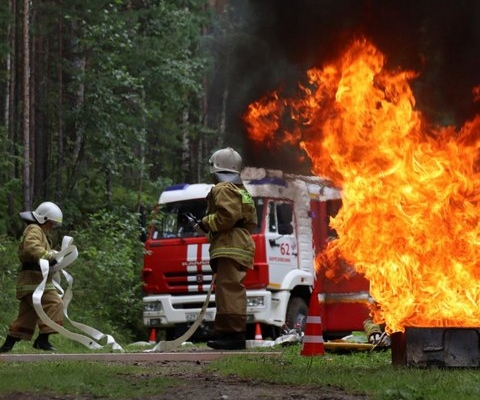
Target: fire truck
(293, 213)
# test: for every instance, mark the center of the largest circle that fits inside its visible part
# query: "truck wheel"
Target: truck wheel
(297, 313)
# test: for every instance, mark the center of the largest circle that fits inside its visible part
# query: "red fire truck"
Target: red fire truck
(293, 214)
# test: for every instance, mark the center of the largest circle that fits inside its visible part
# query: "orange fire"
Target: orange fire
(411, 191)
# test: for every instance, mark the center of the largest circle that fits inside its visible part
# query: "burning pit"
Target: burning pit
(437, 347)
(411, 194)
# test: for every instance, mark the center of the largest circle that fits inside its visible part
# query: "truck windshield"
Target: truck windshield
(170, 221)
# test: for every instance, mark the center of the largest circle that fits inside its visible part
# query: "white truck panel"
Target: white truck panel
(301, 190)
(173, 311)
(187, 192)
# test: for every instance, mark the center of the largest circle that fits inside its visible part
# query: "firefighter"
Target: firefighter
(376, 334)
(35, 245)
(230, 219)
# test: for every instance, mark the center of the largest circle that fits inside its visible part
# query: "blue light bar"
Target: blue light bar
(177, 186)
(272, 180)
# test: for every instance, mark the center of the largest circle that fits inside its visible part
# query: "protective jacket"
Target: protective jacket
(231, 217)
(33, 246)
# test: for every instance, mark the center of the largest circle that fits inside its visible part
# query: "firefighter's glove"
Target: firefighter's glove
(379, 339)
(374, 338)
(52, 256)
(372, 331)
(200, 229)
(191, 219)
(196, 223)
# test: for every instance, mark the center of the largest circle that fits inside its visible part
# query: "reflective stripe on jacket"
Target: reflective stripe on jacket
(31, 288)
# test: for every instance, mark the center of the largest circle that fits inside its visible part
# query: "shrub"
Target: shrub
(9, 267)
(107, 286)
(106, 275)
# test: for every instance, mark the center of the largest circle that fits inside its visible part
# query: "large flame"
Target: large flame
(411, 191)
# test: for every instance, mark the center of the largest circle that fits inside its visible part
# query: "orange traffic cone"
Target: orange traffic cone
(258, 332)
(313, 339)
(153, 337)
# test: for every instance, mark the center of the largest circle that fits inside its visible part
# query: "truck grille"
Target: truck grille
(188, 282)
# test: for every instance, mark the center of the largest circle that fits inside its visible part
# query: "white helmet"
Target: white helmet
(225, 160)
(47, 211)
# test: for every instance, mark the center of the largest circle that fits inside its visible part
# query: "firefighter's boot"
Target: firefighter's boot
(42, 343)
(228, 341)
(9, 343)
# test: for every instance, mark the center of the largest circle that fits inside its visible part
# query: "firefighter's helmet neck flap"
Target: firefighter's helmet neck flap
(225, 166)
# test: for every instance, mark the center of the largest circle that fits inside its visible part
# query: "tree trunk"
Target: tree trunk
(79, 63)
(27, 193)
(39, 124)
(60, 163)
(186, 145)
(10, 95)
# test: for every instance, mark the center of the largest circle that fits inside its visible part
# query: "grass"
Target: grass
(86, 379)
(368, 373)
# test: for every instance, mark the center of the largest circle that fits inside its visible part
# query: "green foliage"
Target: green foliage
(366, 373)
(5, 18)
(112, 113)
(106, 276)
(120, 87)
(144, 75)
(9, 266)
(166, 56)
(7, 186)
(107, 291)
(124, 98)
(80, 379)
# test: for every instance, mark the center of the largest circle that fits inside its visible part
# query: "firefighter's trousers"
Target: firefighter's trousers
(24, 325)
(230, 296)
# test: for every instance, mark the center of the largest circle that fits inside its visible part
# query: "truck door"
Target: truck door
(281, 243)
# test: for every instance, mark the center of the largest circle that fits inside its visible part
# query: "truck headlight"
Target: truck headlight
(256, 301)
(153, 306)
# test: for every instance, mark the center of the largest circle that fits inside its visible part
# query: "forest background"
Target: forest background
(103, 104)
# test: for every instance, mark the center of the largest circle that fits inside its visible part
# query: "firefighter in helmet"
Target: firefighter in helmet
(230, 219)
(35, 245)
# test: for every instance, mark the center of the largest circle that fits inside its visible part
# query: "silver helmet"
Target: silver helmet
(225, 160)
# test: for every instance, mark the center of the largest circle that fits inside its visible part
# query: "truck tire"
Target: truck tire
(297, 313)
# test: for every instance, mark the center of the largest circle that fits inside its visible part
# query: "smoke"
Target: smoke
(275, 41)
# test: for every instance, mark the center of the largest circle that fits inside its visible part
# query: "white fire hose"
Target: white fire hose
(65, 257)
(173, 344)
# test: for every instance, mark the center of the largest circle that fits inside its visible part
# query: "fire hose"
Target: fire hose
(169, 345)
(65, 257)
(173, 344)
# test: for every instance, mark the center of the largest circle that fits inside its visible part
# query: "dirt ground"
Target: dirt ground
(196, 384)
(202, 386)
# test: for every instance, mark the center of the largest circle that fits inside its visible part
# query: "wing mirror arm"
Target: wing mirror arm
(273, 242)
